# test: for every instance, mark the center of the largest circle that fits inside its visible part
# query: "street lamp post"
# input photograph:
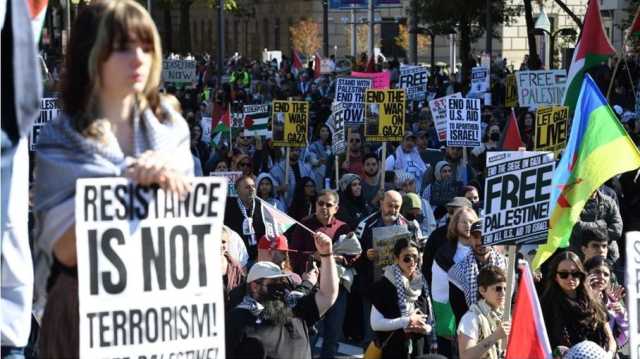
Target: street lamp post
(543, 24)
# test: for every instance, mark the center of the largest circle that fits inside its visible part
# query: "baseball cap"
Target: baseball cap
(279, 243)
(411, 201)
(264, 269)
(476, 227)
(459, 202)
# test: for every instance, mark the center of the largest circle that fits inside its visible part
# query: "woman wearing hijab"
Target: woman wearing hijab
(444, 188)
(353, 206)
(267, 185)
(304, 199)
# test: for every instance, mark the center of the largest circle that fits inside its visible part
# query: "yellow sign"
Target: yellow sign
(289, 121)
(551, 129)
(384, 115)
(511, 97)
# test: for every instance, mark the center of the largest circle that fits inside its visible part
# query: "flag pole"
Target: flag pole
(337, 170)
(621, 56)
(286, 166)
(383, 161)
(263, 203)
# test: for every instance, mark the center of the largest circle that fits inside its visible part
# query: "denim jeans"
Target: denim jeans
(12, 353)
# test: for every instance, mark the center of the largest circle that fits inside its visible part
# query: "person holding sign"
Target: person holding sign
(114, 123)
(270, 310)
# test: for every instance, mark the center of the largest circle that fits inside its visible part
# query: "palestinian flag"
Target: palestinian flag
(634, 30)
(256, 120)
(592, 49)
(275, 222)
(296, 63)
(317, 65)
(37, 11)
(222, 123)
(511, 140)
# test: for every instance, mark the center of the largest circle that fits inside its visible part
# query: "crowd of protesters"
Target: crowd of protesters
(445, 292)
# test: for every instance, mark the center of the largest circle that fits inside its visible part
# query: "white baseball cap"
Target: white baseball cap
(264, 269)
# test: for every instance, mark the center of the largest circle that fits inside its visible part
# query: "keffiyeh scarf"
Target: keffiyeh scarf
(488, 319)
(407, 291)
(464, 274)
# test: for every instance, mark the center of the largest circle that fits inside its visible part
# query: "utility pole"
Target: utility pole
(370, 51)
(354, 28)
(220, 41)
(325, 28)
(413, 33)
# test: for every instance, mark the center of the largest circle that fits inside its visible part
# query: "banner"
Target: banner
(350, 92)
(289, 123)
(256, 120)
(336, 125)
(384, 115)
(382, 240)
(633, 292)
(49, 110)
(413, 79)
(381, 80)
(541, 87)
(463, 122)
(551, 129)
(439, 113)
(511, 97)
(231, 177)
(179, 71)
(480, 80)
(516, 197)
(149, 280)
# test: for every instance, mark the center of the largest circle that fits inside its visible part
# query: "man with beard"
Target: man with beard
(371, 180)
(464, 274)
(273, 322)
(353, 160)
(244, 214)
(407, 159)
(297, 170)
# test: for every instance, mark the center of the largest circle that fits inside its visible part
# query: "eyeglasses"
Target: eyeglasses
(410, 258)
(565, 275)
(324, 204)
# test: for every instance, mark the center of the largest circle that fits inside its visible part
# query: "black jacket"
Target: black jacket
(233, 219)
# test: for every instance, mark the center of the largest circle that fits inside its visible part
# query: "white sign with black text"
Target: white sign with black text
(463, 122)
(49, 110)
(149, 279)
(633, 292)
(350, 92)
(179, 71)
(413, 79)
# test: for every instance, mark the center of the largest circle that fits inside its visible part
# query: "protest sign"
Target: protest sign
(511, 96)
(49, 110)
(179, 71)
(149, 279)
(231, 177)
(551, 129)
(350, 92)
(336, 124)
(633, 292)
(256, 120)
(384, 115)
(463, 122)
(381, 80)
(205, 123)
(383, 239)
(413, 79)
(480, 81)
(516, 197)
(438, 109)
(289, 123)
(541, 87)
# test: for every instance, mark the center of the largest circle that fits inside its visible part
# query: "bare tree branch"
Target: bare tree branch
(571, 14)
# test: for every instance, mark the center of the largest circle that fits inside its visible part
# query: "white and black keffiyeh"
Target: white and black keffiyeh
(464, 274)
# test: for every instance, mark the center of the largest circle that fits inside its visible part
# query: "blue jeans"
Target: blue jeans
(330, 328)
(12, 353)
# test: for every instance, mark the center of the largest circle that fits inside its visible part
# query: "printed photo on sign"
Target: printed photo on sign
(413, 79)
(463, 122)
(438, 109)
(384, 114)
(350, 92)
(541, 87)
(383, 239)
(289, 123)
(149, 278)
(179, 71)
(551, 129)
(516, 197)
(49, 110)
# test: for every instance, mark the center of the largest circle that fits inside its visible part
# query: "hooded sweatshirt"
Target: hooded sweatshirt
(273, 199)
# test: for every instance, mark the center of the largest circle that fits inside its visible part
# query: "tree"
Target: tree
(402, 40)
(305, 36)
(362, 36)
(534, 60)
(469, 18)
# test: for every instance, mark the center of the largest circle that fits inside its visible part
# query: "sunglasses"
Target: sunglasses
(409, 258)
(565, 275)
(500, 289)
(324, 204)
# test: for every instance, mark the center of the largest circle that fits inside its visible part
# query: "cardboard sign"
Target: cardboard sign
(350, 92)
(336, 124)
(480, 80)
(633, 292)
(256, 120)
(511, 96)
(516, 199)
(463, 122)
(381, 80)
(149, 280)
(551, 129)
(231, 177)
(384, 115)
(289, 123)
(438, 109)
(205, 123)
(49, 110)
(413, 79)
(179, 71)
(383, 239)
(541, 87)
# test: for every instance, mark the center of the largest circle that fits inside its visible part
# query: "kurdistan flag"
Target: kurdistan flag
(592, 49)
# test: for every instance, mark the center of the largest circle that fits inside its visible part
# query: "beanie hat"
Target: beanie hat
(346, 180)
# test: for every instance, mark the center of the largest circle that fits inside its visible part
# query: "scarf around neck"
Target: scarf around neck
(488, 319)
(464, 274)
(407, 290)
